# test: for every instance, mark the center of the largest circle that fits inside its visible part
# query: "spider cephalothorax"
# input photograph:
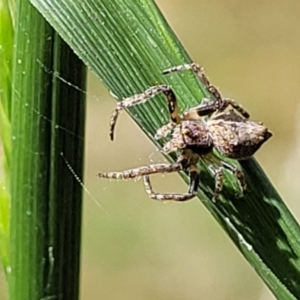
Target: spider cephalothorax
(231, 132)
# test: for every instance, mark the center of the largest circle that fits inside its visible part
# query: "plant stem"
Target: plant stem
(47, 136)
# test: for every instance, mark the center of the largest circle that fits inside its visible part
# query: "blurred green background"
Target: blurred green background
(134, 248)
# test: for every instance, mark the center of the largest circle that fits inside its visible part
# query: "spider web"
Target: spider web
(60, 127)
(96, 144)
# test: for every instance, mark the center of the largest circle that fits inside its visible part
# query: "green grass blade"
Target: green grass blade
(127, 44)
(6, 49)
(47, 134)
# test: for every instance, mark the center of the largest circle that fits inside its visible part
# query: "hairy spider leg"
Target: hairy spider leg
(238, 174)
(142, 171)
(200, 74)
(165, 130)
(230, 102)
(186, 161)
(192, 192)
(202, 110)
(221, 103)
(143, 97)
(192, 66)
(217, 170)
(219, 178)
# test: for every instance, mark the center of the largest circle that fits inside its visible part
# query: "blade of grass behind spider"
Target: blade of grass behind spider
(44, 236)
(128, 44)
(6, 49)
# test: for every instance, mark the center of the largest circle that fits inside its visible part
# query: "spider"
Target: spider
(231, 132)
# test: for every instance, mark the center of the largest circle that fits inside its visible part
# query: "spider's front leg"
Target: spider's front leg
(142, 171)
(221, 103)
(182, 163)
(143, 97)
(192, 192)
(191, 66)
(199, 72)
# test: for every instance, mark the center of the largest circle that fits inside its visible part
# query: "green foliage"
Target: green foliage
(6, 50)
(40, 225)
(127, 44)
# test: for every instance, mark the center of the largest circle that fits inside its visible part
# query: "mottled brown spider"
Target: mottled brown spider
(231, 132)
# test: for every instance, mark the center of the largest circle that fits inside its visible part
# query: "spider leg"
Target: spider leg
(192, 66)
(143, 97)
(142, 171)
(238, 174)
(200, 74)
(165, 130)
(227, 101)
(220, 104)
(193, 187)
(204, 109)
(218, 181)
(208, 108)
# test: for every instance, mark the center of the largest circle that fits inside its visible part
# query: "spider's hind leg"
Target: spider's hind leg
(219, 177)
(218, 173)
(239, 176)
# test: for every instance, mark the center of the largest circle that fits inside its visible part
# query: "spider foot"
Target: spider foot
(165, 196)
